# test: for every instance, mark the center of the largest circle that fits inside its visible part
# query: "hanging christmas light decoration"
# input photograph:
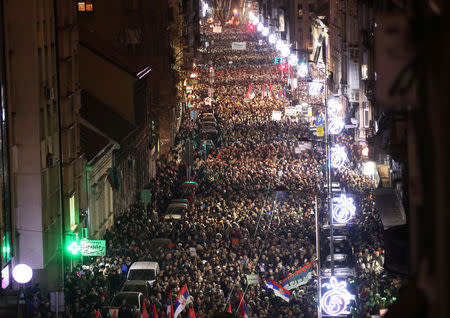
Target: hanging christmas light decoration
(303, 69)
(336, 300)
(315, 88)
(338, 156)
(343, 209)
(335, 125)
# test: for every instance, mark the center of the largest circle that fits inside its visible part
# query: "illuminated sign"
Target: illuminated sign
(343, 209)
(336, 300)
(22, 273)
(338, 156)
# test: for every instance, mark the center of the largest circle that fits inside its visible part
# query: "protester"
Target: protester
(241, 222)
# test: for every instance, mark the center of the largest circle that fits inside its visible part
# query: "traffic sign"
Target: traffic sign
(319, 130)
(319, 121)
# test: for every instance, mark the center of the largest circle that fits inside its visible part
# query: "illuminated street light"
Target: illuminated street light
(335, 125)
(272, 38)
(279, 45)
(293, 60)
(338, 156)
(284, 52)
(235, 11)
(265, 31)
(22, 273)
(343, 209)
(303, 69)
(260, 27)
(335, 301)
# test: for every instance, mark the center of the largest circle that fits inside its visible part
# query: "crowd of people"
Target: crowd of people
(254, 210)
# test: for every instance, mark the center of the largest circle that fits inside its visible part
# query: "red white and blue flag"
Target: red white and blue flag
(191, 313)
(182, 300)
(299, 277)
(245, 314)
(278, 289)
(169, 311)
(250, 93)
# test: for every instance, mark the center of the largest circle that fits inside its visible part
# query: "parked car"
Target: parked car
(144, 272)
(137, 286)
(131, 298)
(343, 267)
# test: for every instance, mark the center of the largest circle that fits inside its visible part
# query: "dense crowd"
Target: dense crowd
(240, 222)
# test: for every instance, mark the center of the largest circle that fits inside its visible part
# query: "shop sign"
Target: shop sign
(93, 247)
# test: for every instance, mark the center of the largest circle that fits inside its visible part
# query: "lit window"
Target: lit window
(81, 6)
(89, 7)
(73, 217)
(85, 6)
(364, 72)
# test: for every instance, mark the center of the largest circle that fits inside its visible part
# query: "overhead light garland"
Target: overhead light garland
(343, 209)
(338, 156)
(336, 300)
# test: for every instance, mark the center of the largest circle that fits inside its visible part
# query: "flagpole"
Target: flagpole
(319, 283)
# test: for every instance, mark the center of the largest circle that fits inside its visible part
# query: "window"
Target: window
(311, 7)
(85, 6)
(73, 217)
(300, 10)
(366, 117)
(364, 72)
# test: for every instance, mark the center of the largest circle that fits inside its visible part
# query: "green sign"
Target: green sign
(146, 196)
(93, 247)
(74, 248)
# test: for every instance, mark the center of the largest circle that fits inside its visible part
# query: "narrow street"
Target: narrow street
(245, 241)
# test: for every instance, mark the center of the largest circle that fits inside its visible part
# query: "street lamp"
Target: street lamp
(272, 38)
(260, 27)
(22, 273)
(265, 31)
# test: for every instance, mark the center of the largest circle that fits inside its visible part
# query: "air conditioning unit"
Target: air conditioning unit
(49, 94)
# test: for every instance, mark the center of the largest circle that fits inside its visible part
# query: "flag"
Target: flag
(115, 178)
(270, 91)
(263, 92)
(245, 314)
(169, 311)
(155, 314)
(299, 277)
(229, 306)
(99, 315)
(278, 290)
(114, 313)
(250, 93)
(241, 303)
(191, 313)
(110, 179)
(182, 301)
(144, 313)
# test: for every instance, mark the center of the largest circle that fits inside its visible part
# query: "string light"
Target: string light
(343, 209)
(338, 156)
(335, 125)
(335, 301)
(303, 69)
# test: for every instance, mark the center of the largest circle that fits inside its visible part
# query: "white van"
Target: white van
(143, 272)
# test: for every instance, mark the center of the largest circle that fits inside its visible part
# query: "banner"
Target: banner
(252, 279)
(238, 45)
(290, 111)
(319, 131)
(93, 247)
(298, 278)
(217, 29)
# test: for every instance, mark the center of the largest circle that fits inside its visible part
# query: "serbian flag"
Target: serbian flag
(299, 277)
(241, 303)
(263, 91)
(114, 313)
(270, 91)
(169, 311)
(182, 300)
(229, 306)
(144, 313)
(191, 313)
(245, 314)
(155, 314)
(99, 315)
(278, 289)
(250, 93)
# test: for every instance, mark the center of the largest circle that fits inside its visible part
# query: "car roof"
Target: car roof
(143, 265)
